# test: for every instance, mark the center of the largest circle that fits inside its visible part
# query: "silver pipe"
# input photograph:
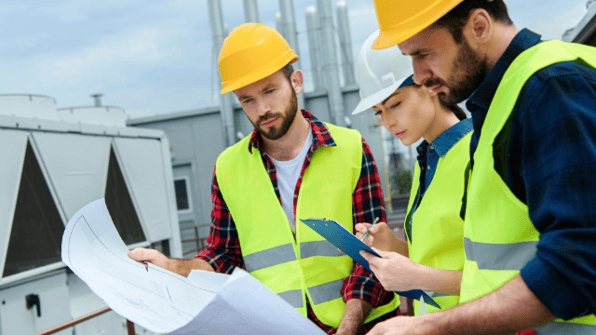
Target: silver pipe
(218, 32)
(97, 99)
(251, 11)
(288, 21)
(345, 42)
(331, 65)
(313, 47)
(278, 25)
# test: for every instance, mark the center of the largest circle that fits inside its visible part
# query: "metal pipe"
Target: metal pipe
(288, 22)
(278, 26)
(313, 47)
(218, 32)
(345, 42)
(331, 66)
(251, 11)
(97, 99)
(130, 327)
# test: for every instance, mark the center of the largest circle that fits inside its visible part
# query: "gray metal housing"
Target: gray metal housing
(585, 31)
(51, 168)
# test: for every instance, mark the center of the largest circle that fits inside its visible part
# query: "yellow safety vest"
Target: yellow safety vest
(437, 226)
(307, 266)
(499, 238)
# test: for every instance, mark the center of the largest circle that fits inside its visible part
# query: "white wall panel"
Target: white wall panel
(12, 154)
(143, 168)
(77, 166)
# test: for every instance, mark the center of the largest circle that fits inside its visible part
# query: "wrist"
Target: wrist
(425, 277)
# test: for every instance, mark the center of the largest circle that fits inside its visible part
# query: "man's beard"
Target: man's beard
(468, 71)
(287, 118)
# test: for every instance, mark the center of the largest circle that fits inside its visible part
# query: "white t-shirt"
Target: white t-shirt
(288, 173)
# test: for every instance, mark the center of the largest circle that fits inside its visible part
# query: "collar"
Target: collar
(485, 93)
(444, 142)
(320, 134)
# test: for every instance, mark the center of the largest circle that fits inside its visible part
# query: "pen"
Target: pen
(366, 235)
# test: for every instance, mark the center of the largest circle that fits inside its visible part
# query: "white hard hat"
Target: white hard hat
(379, 73)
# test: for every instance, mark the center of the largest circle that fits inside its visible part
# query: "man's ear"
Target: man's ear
(297, 80)
(479, 28)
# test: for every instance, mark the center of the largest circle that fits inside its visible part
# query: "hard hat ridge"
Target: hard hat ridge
(379, 73)
(250, 53)
(402, 19)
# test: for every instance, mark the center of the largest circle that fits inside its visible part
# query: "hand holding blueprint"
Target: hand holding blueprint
(164, 302)
(345, 241)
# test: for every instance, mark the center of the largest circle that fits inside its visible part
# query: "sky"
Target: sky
(154, 57)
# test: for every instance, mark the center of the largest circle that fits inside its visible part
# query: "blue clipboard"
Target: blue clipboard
(347, 242)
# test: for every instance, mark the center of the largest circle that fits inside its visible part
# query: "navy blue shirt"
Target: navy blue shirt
(428, 158)
(546, 153)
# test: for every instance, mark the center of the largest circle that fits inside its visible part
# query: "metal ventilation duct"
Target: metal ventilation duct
(251, 11)
(278, 26)
(345, 42)
(330, 64)
(314, 47)
(288, 24)
(218, 32)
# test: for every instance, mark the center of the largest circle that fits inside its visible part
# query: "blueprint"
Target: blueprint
(164, 302)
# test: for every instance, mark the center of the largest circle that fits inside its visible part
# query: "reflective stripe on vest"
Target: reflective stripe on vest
(434, 294)
(301, 266)
(319, 248)
(491, 256)
(285, 253)
(500, 238)
(326, 292)
(436, 239)
(293, 297)
(269, 257)
(565, 328)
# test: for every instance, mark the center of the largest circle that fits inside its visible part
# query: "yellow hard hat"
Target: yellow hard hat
(250, 53)
(402, 19)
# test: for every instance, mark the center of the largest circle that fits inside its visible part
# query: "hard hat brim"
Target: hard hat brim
(377, 97)
(391, 38)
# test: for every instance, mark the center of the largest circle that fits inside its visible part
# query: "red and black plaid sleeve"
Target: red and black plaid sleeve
(223, 246)
(367, 204)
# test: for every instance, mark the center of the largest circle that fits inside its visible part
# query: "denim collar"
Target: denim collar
(485, 93)
(444, 142)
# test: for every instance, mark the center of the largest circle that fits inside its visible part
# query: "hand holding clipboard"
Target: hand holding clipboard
(345, 241)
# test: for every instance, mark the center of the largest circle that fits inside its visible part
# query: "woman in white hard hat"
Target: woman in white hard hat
(434, 221)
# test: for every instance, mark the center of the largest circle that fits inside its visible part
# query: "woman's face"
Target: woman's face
(408, 113)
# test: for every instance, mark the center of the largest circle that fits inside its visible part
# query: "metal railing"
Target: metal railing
(129, 325)
(201, 242)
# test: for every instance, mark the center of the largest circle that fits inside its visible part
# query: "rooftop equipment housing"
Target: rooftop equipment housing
(585, 31)
(54, 163)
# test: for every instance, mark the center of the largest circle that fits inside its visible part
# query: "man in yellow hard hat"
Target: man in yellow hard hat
(530, 220)
(291, 167)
